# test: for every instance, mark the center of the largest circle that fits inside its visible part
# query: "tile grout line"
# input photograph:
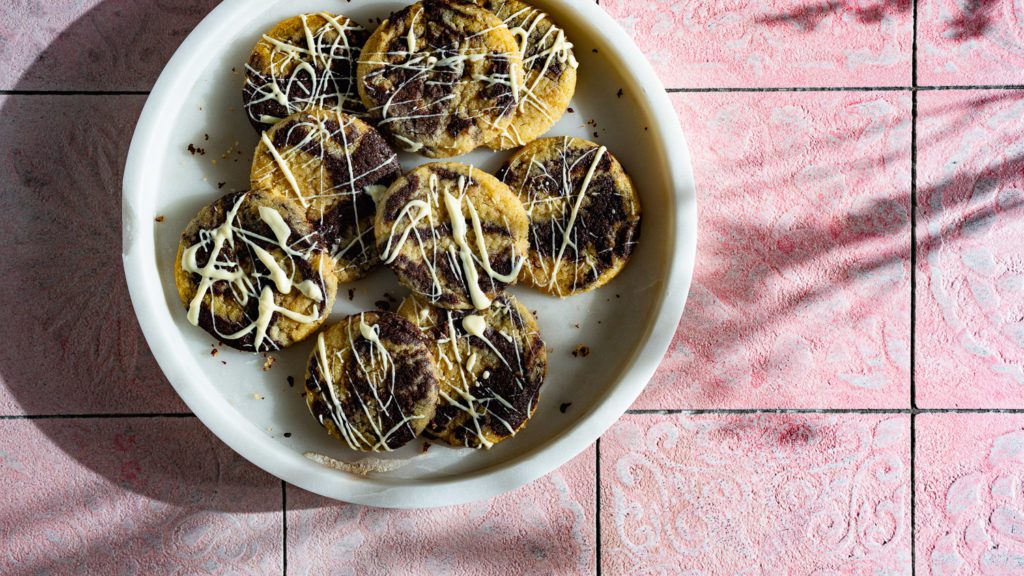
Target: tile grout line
(597, 506)
(913, 288)
(632, 412)
(98, 415)
(915, 88)
(892, 411)
(284, 528)
(74, 92)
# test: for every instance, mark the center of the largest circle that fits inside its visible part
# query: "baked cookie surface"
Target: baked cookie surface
(253, 273)
(454, 235)
(371, 381)
(332, 164)
(441, 76)
(584, 213)
(308, 60)
(491, 366)
(549, 68)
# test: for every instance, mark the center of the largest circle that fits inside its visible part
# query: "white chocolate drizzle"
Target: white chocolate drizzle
(437, 65)
(307, 73)
(378, 372)
(461, 257)
(538, 43)
(322, 192)
(556, 209)
(472, 394)
(245, 285)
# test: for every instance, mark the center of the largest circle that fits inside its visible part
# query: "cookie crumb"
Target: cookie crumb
(577, 326)
(206, 136)
(564, 407)
(224, 362)
(270, 362)
(351, 294)
(581, 351)
(570, 109)
(426, 446)
(383, 305)
(256, 396)
(619, 93)
(193, 150)
(291, 381)
(594, 50)
(214, 352)
(287, 434)
(159, 218)
(220, 185)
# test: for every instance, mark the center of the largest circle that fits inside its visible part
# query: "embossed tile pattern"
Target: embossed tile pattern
(71, 343)
(747, 43)
(91, 44)
(132, 496)
(756, 494)
(801, 297)
(801, 300)
(970, 42)
(970, 297)
(969, 492)
(546, 527)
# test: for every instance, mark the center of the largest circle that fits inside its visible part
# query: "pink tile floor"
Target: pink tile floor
(860, 282)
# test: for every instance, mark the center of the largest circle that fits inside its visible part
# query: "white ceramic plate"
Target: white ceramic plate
(627, 324)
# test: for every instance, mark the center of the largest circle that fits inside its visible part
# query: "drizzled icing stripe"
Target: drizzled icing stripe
(377, 370)
(440, 67)
(321, 134)
(538, 44)
(471, 393)
(567, 232)
(461, 257)
(245, 284)
(584, 219)
(310, 75)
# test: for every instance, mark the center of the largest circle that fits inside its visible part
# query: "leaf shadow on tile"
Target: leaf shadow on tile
(761, 255)
(808, 16)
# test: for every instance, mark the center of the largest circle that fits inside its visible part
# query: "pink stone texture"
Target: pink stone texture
(970, 42)
(91, 44)
(970, 296)
(968, 496)
(778, 43)
(546, 527)
(801, 297)
(756, 495)
(801, 301)
(132, 496)
(71, 344)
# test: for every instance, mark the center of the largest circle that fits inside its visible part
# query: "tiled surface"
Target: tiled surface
(546, 527)
(756, 494)
(970, 297)
(71, 344)
(969, 494)
(802, 300)
(91, 44)
(802, 290)
(970, 42)
(132, 496)
(778, 43)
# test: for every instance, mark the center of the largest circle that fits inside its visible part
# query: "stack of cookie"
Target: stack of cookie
(462, 361)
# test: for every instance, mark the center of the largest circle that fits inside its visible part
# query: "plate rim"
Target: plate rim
(147, 295)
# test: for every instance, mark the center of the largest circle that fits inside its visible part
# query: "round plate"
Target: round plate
(627, 325)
